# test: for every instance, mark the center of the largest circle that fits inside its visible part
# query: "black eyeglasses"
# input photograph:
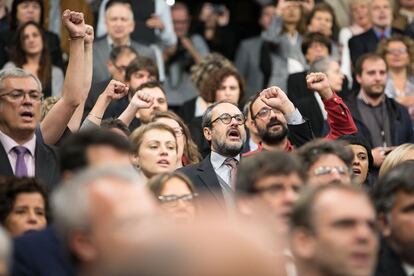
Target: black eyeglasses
(264, 113)
(172, 200)
(226, 119)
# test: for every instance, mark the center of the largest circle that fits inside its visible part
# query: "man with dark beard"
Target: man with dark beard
(281, 126)
(214, 177)
(385, 123)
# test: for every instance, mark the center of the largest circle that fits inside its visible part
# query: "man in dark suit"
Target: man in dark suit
(381, 18)
(119, 20)
(22, 150)
(214, 177)
(394, 201)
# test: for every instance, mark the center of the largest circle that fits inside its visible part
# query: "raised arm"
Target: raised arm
(56, 121)
(140, 100)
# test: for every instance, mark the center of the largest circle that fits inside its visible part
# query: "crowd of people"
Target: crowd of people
(140, 138)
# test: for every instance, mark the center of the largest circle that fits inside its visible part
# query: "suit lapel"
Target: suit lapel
(208, 176)
(5, 167)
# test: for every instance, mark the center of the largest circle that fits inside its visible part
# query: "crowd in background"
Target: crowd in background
(161, 138)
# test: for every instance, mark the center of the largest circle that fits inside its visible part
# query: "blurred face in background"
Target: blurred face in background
(397, 55)
(315, 51)
(381, 13)
(119, 22)
(28, 11)
(181, 21)
(335, 76)
(140, 77)
(160, 104)
(117, 69)
(322, 21)
(291, 13)
(178, 200)
(266, 17)
(229, 90)
(28, 213)
(32, 40)
(360, 14)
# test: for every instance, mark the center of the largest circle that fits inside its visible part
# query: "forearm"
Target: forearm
(88, 59)
(128, 115)
(98, 110)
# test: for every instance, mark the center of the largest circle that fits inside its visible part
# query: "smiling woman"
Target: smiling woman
(155, 149)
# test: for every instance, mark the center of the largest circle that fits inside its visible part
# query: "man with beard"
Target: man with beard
(385, 123)
(214, 177)
(281, 126)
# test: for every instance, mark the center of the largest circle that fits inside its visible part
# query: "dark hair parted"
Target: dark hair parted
(264, 164)
(73, 151)
(141, 63)
(111, 3)
(315, 37)
(13, 13)
(191, 154)
(157, 183)
(115, 123)
(303, 212)
(213, 83)
(117, 51)
(398, 179)
(361, 60)
(19, 56)
(325, 7)
(11, 187)
(312, 151)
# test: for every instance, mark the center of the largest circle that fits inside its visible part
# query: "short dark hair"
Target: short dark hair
(252, 101)
(74, 148)
(110, 3)
(141, 63)
(117, 51)
(266, 164)
(115, 123)
(11, 187)
(303, 211)
(325, 7)
(206, 119)
(151, 84)
(356, 139)
(361, 60)
(13, 12)
(310, 38)
(312, 151)
(399, 178)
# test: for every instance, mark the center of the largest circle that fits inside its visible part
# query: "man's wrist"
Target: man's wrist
(326, 94)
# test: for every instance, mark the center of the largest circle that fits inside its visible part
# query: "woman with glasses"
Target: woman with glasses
(187, 152)
(398, 53)
(30, 52)
(155, 149)
(176, 194)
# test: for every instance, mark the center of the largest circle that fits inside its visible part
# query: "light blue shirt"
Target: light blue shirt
(220, 169)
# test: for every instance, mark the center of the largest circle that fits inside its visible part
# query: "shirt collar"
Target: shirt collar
(361, 96)
(8, 143)
(111, 42)
(408, 268)
(217, 160)
(386, 33)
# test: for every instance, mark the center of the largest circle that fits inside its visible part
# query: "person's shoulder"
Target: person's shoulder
(363, 35)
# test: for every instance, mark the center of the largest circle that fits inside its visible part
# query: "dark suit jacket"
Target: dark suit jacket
(365, 43)
(388, 262)
(305, 101)
(400, 121)
(205, 180)
(41, 253)
(46, 163)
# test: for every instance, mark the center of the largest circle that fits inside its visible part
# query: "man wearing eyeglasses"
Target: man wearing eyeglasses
(214, 177)
(281, 126)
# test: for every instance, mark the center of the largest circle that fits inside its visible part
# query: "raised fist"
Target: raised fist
(116, 90)
(274, 97)
(319, 82)
(74, 23)
(89, 34)
(142, 99)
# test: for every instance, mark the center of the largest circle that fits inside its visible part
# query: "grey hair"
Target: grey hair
(321, 64)
(5, 247)
(17, 73)
(122, 4)
(206, 120)
(70, 201)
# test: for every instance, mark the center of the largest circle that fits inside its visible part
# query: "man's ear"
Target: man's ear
(358, 79)
(303, 243)
(81, 245)
(207, 133)
(134, 159)
(384, 224)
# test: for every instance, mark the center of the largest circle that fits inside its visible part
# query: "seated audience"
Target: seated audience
(394, 199)
(187, 151)
(395, 157)
(326, 162)
(332, 232)
(176, 195)
(398, 52)
(31, 54)
(155, 149)
(23, 206)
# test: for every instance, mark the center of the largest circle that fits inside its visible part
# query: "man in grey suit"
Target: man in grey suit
(119, 21)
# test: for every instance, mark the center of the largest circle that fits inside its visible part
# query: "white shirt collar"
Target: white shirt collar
(111, 42)
(8, 143)
(217, 160)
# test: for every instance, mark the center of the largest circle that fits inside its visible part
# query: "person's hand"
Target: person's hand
(89, 34)
(206, 12)
(115, 90)
(154, 22)
(74, 23)
(319, 82)
(142, 99)
(379, 154)
(223, 18)
(186, 42)
(274, 97)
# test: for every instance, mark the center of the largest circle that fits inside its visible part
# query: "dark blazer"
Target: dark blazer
(46, 163)
(96, 90)
(305, 101)
(186, 112)
(41, 253)
(53, 43)
(365, 43)
(400, 121)
(205, 180)
(388, 262)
